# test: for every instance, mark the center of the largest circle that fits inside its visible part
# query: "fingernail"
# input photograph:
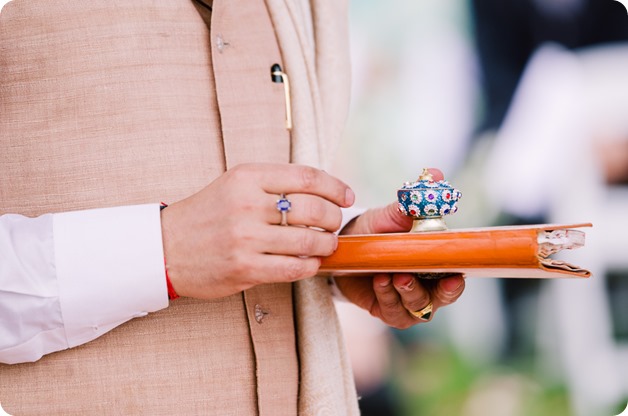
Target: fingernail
(406, 285)
(452, 284)
(349, 197)
(385, 282)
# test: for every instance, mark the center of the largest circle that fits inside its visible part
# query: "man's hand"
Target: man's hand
(227, 237)
(390, 297)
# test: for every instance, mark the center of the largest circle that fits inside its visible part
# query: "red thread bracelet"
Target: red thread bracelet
(172, 294)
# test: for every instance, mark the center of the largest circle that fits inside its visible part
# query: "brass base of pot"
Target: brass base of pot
(428, 224)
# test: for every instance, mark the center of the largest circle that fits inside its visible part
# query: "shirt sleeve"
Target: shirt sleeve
(349, 214)
(66, 279)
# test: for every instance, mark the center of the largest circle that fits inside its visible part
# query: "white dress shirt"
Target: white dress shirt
(66, 279)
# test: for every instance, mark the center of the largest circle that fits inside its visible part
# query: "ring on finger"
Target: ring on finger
(423, 314)
(283, 206)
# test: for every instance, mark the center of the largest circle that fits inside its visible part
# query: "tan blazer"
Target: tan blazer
(106, 103)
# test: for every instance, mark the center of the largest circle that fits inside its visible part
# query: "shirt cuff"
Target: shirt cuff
(349, 214)
(110, 268)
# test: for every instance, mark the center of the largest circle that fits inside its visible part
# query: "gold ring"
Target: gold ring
(423, 314)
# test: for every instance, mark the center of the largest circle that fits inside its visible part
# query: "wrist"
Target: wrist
(172, 293)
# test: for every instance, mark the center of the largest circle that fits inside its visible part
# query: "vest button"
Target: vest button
(260, 313)
(221, 44)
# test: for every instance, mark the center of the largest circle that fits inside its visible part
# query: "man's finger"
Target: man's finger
(289, 178)
(447, 290)
(309, 210)
(391, 308)
(414, 295)
(298, 241)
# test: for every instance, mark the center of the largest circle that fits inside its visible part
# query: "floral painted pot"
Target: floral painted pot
(428, 201)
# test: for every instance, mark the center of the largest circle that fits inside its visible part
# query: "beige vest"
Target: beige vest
(106, 103)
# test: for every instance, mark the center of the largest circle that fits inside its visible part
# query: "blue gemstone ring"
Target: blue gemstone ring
(283, 206)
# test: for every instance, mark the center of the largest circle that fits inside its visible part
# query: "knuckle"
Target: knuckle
(309, 177)
(307, 243)
(389, 303)
(418, 304)
(235, 172)
(317, 212)
(422, 300)
(245, 282)
(229, 243)
(233, 236)
(240, 172)
(239, 266)
(336, 220)
(249, 274)
(312, 266)
(448, 298)
(401, 325)
(294, 271)
(330, 246)
(300, 268)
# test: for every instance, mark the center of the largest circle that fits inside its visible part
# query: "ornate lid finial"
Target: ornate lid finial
(426, 175)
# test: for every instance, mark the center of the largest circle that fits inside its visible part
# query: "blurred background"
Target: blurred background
(524, 105)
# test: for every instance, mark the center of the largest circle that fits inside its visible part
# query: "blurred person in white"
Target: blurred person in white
(560, 141)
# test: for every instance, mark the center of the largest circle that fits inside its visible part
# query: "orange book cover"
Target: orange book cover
(511, 251)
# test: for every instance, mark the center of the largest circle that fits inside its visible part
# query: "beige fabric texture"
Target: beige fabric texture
(109, 103)
(320, 113)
